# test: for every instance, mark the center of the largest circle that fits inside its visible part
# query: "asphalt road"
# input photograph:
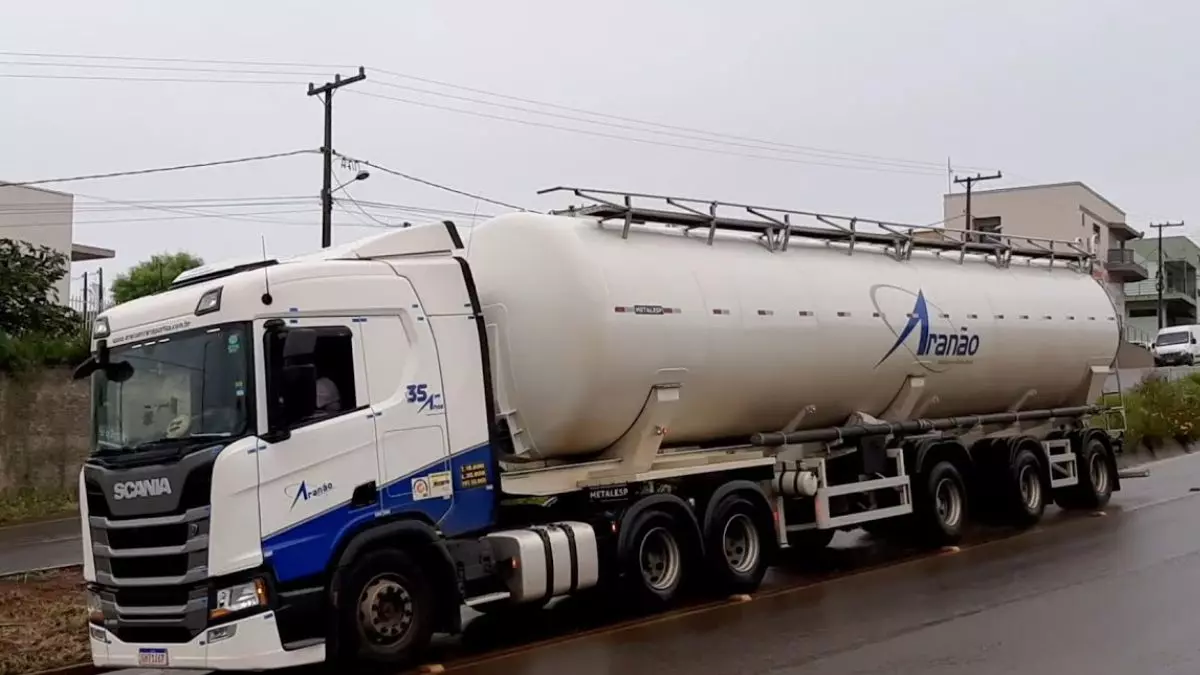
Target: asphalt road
(1108, 594)
(37, 545)
(1113, 594)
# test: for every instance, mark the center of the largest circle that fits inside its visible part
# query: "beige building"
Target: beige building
(1063, 211)
(45, 218)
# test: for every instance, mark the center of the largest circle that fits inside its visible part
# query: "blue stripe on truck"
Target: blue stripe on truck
(305, 548)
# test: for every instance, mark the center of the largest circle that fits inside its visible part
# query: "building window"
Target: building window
(988, 227)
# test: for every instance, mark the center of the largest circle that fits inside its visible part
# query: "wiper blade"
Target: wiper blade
(167, 442)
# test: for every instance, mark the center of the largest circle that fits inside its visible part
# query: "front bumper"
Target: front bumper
(1172, 359)
(254, 645)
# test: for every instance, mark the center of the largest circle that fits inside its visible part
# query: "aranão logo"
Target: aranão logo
(943, 341)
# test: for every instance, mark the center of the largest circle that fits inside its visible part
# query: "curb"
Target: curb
(77, 669)
(36, 570)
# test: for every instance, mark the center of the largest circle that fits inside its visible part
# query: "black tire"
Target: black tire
(1026, 489)
(1094, 489)
(738, 542)
(658, 544)
(809, 542)
(940, 505)
(378, 586)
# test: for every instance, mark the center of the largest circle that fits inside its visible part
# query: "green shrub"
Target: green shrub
(1158, 409)
(25, 504)
(34, 350)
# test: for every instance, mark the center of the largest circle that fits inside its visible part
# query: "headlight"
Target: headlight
(95, 613)
(238, 598)
(100, 328)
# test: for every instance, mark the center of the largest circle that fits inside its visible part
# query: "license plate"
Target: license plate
(153, 657)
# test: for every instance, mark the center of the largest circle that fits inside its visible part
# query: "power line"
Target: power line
(114, 78)
(660, 125)
(178, 167)
(93, 66)
(647, 141)
(828, 153)
(52, 208)
(432, 184)
(99, 57)
(770, 146)
(162, 218)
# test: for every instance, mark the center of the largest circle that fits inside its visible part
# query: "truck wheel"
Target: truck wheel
(1028, 501)
(386, 609)
(737, 546)
(656, 563)
(1094, 488)
(940, 505)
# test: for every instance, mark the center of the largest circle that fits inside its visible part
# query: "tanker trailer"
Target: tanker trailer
(642, 400)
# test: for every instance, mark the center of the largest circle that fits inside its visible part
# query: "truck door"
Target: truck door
(309, 482)
(405, 395)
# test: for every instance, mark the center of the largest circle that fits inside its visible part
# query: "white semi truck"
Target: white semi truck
(327, 457)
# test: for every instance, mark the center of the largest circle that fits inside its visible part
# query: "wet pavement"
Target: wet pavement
(39, 545)
(1116, 594)
(1105, 594)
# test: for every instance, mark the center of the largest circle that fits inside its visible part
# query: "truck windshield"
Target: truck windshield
(174, 391)
(1174, 338)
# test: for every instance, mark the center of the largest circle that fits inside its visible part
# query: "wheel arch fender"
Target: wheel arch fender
(930, 450)
(750, 490)
(666, 502)
(414, 535)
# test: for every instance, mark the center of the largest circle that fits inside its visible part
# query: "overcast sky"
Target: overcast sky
(1044, 90)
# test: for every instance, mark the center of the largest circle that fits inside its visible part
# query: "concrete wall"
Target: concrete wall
(42, 218)
(44, 429)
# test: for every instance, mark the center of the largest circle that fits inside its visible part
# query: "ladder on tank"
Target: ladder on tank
(777, 226)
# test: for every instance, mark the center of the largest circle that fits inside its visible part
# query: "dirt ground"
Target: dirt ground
(43, 622)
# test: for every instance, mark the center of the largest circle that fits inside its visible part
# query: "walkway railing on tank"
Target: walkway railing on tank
(776, 226)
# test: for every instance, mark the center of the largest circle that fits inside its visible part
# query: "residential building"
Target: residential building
(45, 218)
(1070, 212)
(1181, 260)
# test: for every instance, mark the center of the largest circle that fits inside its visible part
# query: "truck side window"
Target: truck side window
(332, 361)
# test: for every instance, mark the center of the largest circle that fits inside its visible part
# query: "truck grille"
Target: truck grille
(151, 552)
(151, 574)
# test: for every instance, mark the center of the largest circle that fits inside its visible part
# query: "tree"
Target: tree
(29, 302)
(152, 276)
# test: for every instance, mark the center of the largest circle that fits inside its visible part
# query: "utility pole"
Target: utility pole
(1160, 277)
(969, 181)
(327, 180)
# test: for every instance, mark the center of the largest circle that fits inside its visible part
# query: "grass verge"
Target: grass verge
(43, 622)
(30, 505)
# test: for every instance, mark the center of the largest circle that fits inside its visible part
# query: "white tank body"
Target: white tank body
(582, 323)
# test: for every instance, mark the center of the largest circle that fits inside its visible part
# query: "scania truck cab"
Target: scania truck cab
(219, 498)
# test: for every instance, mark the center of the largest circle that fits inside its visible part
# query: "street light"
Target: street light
(361, 175)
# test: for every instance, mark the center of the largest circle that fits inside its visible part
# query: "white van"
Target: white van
(1177, 346)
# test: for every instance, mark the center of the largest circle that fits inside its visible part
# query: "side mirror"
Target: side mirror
(299, 392)
(299, 342)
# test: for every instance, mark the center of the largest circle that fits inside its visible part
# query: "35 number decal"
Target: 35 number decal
(416, 393)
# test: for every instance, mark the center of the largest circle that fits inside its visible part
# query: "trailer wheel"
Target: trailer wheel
(1095, 485)
(940, 507)
(737, 545)
(655, 565)
(1028, 500)
(387, 610)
